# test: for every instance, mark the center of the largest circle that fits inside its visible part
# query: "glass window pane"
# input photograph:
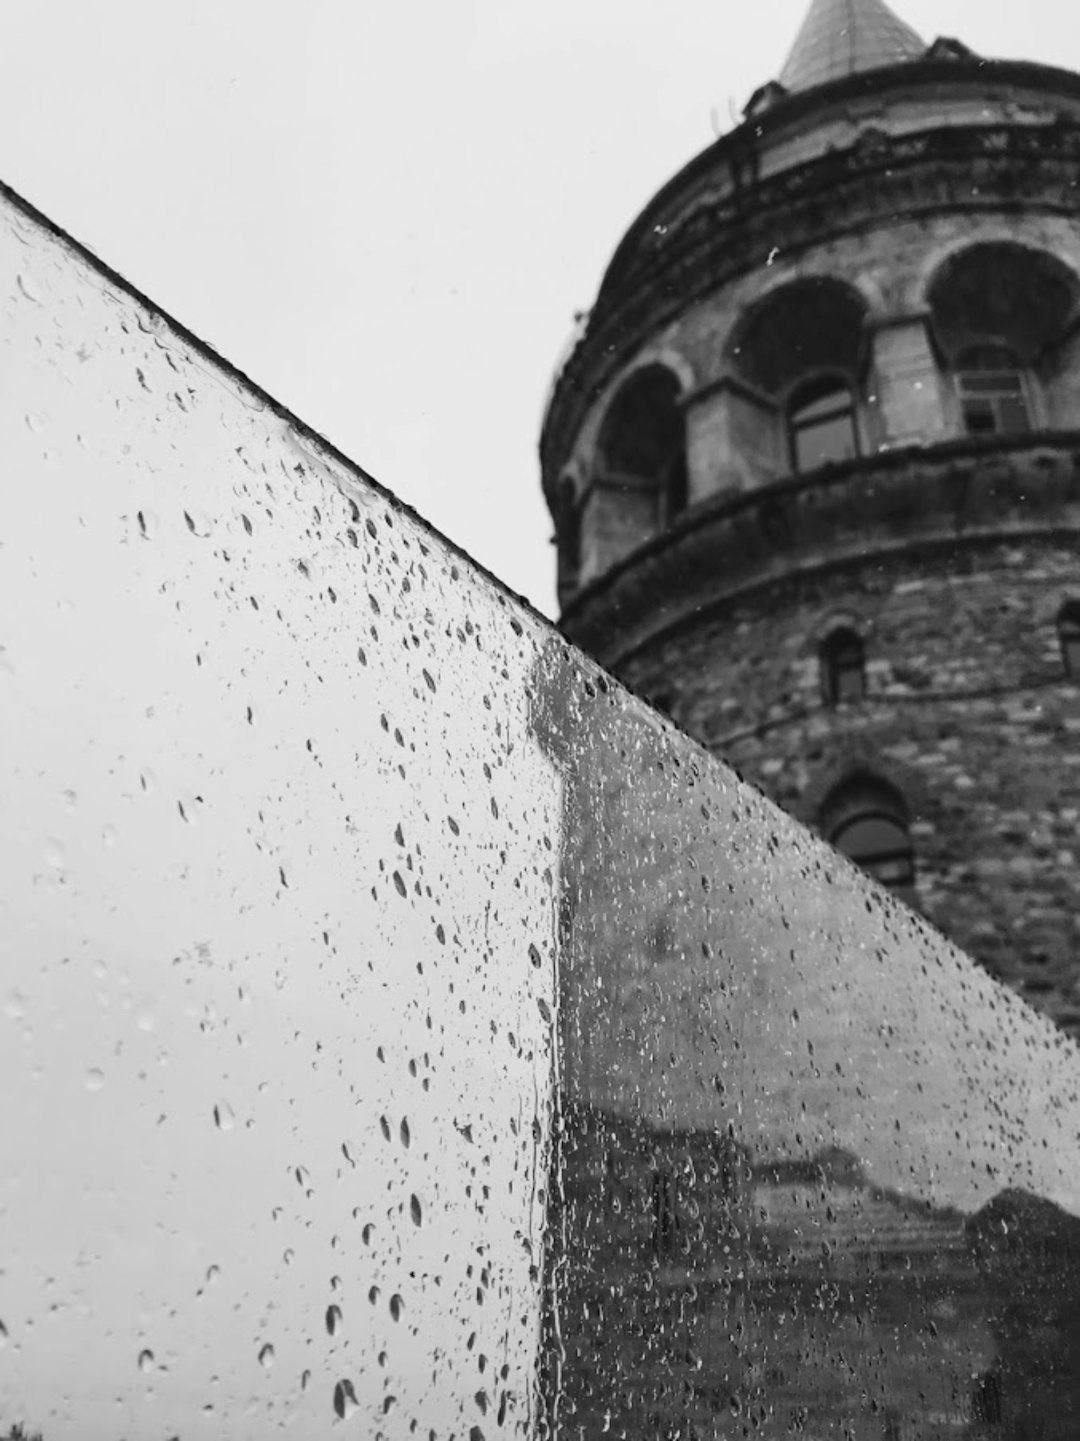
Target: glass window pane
(825, 441)
(979, 418)
(1013, 418)
(831, 403)
(992, 383)
(871, 837)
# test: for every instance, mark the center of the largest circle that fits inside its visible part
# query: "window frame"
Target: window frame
(969, 393)
(866, 796)
(832, 666)
(810, 391)
(870, 860)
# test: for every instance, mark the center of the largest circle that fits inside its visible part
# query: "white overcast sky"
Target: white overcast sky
(387, 212)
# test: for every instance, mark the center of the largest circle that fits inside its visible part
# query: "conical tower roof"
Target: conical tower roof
(845, 37)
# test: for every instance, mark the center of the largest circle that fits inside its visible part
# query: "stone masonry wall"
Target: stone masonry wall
(968, 712)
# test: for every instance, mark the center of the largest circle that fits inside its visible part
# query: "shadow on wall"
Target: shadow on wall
(817, 1173)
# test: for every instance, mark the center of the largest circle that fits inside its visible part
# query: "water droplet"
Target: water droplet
(148, 781)
(305, 1380)
(333, 1319)
(535, 956)
(400, 884)
(266, 1356)
(373, 1295)
(397, 1306)
(28, 288)
(345, 1402)
(384, 1126)
(212, 1273)
(94, 1079)
(416, 1210)
(367, 1233)
(3, 1335)
(288, 1255)
(224, 1117)
(198, 522)
(146, 1360)
(544, 1009)
(406, 1136)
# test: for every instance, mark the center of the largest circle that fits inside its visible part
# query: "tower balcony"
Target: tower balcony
(955, 496)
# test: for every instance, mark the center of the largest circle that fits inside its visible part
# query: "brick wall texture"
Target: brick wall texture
(968, 712)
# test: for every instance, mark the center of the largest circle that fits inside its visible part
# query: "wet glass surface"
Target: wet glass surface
(279, 862)
(348, 912)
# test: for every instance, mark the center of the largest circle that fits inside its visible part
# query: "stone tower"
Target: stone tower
(814, 464)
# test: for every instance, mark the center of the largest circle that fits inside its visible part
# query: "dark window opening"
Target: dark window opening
(1069, 638)
(643, 440)
(866, 819)
(993, 393)
(843, 667)
(880, 845)
(821, 425)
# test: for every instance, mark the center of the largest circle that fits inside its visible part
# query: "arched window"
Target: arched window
(992, 387)
(643, 441)
(843, 666)
(867, 820)
(1068, 625)
(821, 424)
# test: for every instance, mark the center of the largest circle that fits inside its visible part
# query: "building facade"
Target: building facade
(814, 465)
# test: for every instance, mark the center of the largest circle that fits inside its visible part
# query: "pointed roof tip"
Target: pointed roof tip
(846, 37)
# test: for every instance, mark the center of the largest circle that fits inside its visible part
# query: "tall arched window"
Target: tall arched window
(821, 424)
(643, 441)
(1068, 625)
(992, 387)
(843, 666)
(867, 819)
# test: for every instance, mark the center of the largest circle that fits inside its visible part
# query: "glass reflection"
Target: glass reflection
(818, 1175)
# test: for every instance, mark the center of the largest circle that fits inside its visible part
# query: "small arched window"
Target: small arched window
(1068, 625)
(992, 387)
(843, 666)
(821, 424)
(867, 820)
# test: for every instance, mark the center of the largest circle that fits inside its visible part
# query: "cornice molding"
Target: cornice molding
(725, 550)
